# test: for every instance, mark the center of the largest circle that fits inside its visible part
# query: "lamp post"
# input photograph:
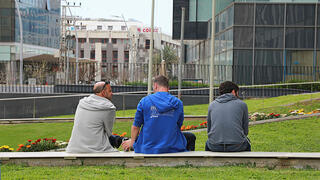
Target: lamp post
(212, 52)
(21, 43)
(151, 51)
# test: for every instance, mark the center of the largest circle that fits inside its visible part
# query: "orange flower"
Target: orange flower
(19, 149)
(28, 146)
(20, 145)
(115, 134)
(183, 128)
(123, 134)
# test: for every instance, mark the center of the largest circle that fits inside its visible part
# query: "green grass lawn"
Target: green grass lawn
(289, 136)
(119, 172)
(268, 105)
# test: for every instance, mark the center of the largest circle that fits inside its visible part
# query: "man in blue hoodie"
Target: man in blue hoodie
(228, 121)
(159, 116)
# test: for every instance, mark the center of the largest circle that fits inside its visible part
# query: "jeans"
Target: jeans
(191, 140)
(244, 146)
(116, 141)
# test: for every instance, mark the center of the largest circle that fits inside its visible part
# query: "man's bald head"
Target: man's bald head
(98, 87)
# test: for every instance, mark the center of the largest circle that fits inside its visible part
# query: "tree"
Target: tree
(169, 55)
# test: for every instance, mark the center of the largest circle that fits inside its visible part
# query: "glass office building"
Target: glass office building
(41, 26)
(264, 41)
(41, 30)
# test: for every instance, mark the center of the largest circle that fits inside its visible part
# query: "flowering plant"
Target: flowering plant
(261, 116)
(44, 144)
(192, 127)
(121, 135)
(5, 148)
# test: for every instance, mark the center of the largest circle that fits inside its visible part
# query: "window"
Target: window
(269, 14)
(92, 54)
(83, 27)
(268, 66)
(300, 14)
(242, 66)
(99, 27)
(243, 14)
(77, 27)
(110, 28)
(269, 37)
(114, 41)
(81, 53)
(147, 45)
(126, 56)
(104, 41)
(92, 41)
(82, 40)
(104, 55)
(123, 28)
(300, 38)
(243, 37)
(114, 56)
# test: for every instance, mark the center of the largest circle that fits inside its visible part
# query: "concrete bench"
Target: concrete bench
(196, 158)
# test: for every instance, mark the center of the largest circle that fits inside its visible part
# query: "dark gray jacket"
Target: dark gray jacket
(227, 120)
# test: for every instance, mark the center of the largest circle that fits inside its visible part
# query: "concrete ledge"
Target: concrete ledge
(196, 158)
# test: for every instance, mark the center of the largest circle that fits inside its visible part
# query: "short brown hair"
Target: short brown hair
(162, 81)
(227, 87)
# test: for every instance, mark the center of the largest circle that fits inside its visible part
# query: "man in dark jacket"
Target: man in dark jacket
(160, 117)
(228, 121)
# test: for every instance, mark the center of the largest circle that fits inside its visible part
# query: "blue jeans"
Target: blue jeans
(244, 146)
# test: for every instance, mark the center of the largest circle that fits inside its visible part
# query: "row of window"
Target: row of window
(113, 41)
(269, 15)
(104, 55)
(100, 27)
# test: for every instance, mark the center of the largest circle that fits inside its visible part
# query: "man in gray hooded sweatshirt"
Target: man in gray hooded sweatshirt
(94, 118)
(228, 121)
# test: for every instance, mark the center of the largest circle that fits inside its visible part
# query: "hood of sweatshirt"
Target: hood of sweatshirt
(164, 102)
(96, 103)
(226, 98)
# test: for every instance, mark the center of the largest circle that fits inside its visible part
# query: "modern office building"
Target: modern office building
(41, 33)
(256, 41)
(121, 48)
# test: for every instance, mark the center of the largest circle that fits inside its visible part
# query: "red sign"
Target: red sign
(147, 30)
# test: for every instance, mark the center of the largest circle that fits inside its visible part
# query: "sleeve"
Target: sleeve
(109, 121)
(209, 120)
(245, 120)
(138, 118)
(181, 115)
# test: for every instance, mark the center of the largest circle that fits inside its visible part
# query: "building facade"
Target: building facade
(265, 41)
(41, 32)
(120, 48)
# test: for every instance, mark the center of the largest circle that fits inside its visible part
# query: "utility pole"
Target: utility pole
(213, 26)
(64, 48)
(181, 53)
(151, 51)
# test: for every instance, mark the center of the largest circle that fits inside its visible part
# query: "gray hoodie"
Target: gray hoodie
(227, 120)
(93, 125)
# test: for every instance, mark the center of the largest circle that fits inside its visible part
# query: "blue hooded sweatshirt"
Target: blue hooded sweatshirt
(161, 117)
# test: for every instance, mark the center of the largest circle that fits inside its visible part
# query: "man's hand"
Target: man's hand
(127, 145)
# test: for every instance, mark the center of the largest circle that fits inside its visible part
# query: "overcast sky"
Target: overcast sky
(136, 9)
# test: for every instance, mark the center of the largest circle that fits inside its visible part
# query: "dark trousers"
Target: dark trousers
(116, 141)
(191, 140)
(245, 146)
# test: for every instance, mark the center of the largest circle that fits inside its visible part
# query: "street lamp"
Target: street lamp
(21, 43)
(212, 52)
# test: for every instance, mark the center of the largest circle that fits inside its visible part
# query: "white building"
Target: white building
(120, 48)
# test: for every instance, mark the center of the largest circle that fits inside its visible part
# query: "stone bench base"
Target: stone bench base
(196, 158)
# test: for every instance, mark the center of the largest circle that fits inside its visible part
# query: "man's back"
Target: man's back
(161, 116)
(93, 125)
(227, 120)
